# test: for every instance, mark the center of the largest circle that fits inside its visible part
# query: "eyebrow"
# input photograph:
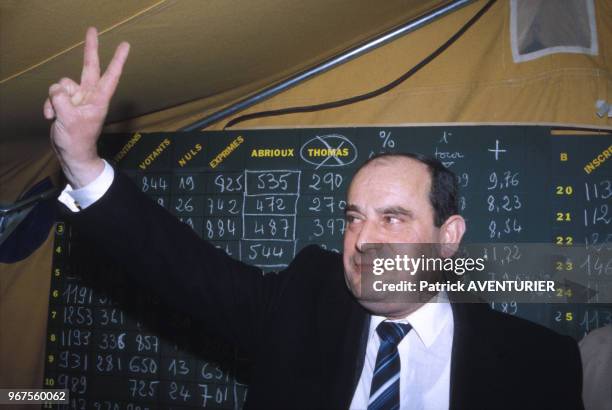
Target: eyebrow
(395, 210)
(351, 208)
(390, 210)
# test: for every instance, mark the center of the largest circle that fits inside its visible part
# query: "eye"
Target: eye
(351, 218)
(392, 219)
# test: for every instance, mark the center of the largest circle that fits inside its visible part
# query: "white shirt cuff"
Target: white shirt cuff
(78, 199)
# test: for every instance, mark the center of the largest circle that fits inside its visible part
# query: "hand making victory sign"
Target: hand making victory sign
(79, 110)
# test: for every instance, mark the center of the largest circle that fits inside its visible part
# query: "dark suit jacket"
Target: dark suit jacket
(305, 331)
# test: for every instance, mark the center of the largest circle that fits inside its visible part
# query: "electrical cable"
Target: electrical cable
(370, 94)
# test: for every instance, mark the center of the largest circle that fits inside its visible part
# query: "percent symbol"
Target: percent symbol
(387, 140)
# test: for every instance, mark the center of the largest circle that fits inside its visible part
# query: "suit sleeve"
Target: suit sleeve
(568, 387)
(166, 256)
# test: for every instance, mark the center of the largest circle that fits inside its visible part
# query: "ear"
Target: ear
(451, 232)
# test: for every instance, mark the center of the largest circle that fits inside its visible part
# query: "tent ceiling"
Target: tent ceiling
(181, 50)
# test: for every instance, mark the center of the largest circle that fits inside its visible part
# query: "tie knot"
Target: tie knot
(392, 332)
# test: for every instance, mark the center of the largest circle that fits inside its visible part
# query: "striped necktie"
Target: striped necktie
(384, 393)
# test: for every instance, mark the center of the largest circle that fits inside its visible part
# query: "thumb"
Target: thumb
(60, 100)
(48, 111)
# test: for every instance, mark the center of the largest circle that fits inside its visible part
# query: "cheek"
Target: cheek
(348, 251)
(426, 235)
(350, 237)
(346, 257)
(415, 233)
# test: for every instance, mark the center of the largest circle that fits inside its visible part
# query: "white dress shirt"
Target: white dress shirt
(425, 352)
(425, 357)
(77, 199)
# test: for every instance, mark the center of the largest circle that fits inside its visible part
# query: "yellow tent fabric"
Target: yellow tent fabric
(24, 295)
(475, 80)
(181, 50)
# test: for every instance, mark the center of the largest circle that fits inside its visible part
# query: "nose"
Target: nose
(365, 236)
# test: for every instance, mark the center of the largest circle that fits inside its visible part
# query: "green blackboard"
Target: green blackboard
(262, 195)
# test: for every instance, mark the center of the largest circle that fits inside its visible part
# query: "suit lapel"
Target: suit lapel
(343, 331)
(343, 339)
(474, 358)
(360, 354)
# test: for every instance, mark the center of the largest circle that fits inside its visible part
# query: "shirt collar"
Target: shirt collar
(427, 321)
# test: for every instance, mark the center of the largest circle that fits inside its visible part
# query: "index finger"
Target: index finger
(110, 78)
(91, 62)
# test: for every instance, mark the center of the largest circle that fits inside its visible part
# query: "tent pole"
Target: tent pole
(327, 65)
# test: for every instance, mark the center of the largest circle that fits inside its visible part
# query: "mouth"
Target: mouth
(362, 266)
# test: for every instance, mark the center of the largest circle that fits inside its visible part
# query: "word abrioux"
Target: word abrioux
(404, 263)
(272, 153)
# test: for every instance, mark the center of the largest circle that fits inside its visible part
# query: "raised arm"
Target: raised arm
(78, 111)
(159, 252)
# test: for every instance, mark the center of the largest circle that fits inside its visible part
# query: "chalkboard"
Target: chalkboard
(262, 195)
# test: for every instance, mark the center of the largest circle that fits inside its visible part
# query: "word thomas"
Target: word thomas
(328, 152)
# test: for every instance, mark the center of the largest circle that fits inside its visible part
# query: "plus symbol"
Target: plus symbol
(497, 150)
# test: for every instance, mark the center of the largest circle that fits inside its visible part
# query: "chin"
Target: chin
(371, 304)
(395, 310)
(378, 308)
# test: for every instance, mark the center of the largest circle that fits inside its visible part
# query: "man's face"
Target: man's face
(388, 202)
